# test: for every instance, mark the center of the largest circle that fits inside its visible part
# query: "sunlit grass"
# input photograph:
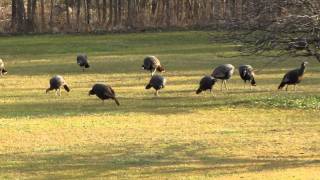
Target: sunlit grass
(254, 134)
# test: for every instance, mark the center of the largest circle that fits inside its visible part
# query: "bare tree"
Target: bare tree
(13, 14)
(116, 4)
(42, 14)
(20, 15)
(98, 9)
(104, 11)
(51, 14)
(294, 31)
(67, 12)
(110, 12)
(119, 11)
(230, 14)
(130, 13)
(88, 13)
(167, 5)
(78, 4)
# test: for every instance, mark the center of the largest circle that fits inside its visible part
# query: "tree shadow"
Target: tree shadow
(134, 160)
(169, 102)
(63, 107)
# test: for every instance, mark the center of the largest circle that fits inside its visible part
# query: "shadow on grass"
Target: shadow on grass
(149, 105)
(163, 105)
(133, 160)
(122, 64)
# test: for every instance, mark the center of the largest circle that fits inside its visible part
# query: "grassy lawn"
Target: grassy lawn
(258, 134)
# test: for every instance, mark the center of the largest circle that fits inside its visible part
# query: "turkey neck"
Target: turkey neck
(302, 69)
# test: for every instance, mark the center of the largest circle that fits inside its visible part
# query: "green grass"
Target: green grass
(258, 134)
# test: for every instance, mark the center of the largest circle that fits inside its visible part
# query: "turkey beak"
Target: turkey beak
(89, 93)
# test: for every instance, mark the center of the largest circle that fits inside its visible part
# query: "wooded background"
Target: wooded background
(54, 16)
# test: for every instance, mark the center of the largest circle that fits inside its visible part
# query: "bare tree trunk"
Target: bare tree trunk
(167, 3)
(104, 11)
(88, 13)
(78, 14)
(244, 9)
(34, 8)
(213, 10)
(110, 12)
(130, 14)
(116, 13)
(189, 14)
(67, 13)
(13, 15)
(239, 9)
(43, 21)
(177, 12)
(195, 11)
(51, 15)
(223, 9)
(20, 15)
(154, 5)
(233, 9)
(31, 15)
(98, 11)
(120, 11)
(29, 6)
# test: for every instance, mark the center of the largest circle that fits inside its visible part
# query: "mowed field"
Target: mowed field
(237, 134)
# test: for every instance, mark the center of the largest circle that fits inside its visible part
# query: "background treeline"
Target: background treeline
(26, 16)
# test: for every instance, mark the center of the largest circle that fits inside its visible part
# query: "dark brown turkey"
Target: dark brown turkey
(56, 82)
(152, 64)
(104, 92)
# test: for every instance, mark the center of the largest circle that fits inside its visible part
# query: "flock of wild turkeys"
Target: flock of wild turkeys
(152, 64)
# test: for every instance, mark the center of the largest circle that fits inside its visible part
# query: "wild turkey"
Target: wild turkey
(223, 72)
(157, 82)
(206, 83)
(56, 82)
(152, 64)
(104, 92)
(247, 74)
(293, 77)
(82, 61)
(3, 71)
